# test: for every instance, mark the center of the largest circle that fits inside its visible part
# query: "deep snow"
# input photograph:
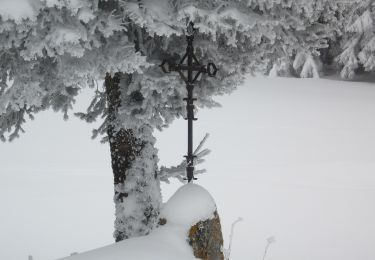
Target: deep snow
(295, 158)
(190, 204)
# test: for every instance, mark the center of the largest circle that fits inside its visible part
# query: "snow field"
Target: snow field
(294, 158)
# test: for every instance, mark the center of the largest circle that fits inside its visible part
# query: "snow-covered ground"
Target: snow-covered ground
(188, 205)
(295, 158)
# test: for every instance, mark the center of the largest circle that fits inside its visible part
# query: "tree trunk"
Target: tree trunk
(134, 163)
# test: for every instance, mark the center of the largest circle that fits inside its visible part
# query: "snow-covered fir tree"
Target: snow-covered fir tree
(301, 30)
(358, 44)
(64, 45)
(152, 99)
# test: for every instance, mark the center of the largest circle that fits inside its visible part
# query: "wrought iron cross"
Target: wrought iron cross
(190, 64)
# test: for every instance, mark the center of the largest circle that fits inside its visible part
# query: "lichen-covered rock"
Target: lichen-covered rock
(206, 239)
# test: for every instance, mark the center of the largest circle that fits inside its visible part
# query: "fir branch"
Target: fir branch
(179, 171)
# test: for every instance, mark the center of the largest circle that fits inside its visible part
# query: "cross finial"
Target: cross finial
(191, 30)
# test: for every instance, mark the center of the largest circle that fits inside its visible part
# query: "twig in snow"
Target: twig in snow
(270, 240)
(229, 249)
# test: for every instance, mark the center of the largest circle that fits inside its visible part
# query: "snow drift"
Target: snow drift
(190, 204)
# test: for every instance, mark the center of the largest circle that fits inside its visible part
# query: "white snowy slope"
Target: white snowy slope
(294, 157)
(186, 207)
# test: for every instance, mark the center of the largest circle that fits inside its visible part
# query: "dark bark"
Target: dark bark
(108, 5)
(121, 141)
(123, 145)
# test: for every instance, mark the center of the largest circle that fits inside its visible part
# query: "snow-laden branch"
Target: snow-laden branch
(179, 171)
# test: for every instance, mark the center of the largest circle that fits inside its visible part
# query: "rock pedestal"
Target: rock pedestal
(206, 239)
(193, 208)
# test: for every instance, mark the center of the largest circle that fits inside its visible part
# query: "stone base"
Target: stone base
(206, 239)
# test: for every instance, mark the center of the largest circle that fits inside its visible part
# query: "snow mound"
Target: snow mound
(190, 204)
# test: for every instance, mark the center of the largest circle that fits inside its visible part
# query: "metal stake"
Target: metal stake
(192, 66)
